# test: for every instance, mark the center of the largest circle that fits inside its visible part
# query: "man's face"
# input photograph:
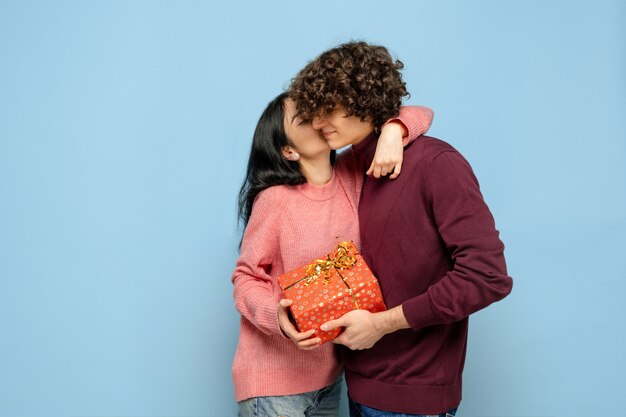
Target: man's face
(340, 130)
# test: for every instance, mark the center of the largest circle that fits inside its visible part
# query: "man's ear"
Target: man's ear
(289, 154)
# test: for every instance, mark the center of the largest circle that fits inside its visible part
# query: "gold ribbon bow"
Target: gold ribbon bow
(343, 260)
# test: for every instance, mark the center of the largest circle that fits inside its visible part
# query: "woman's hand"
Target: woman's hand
(389, 151)
(301, 339)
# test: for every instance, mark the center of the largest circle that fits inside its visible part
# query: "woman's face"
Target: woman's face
(340, 130)
(307, 141)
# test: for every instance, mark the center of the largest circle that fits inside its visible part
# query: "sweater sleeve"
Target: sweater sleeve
(255, 291)
(350, 165)
(416, 120)
(466, 226)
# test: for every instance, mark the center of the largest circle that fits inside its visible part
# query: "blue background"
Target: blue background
(124, 133)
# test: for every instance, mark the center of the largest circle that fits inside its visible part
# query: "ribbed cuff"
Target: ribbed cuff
(267, 318)
(405, 139)
(418, 312)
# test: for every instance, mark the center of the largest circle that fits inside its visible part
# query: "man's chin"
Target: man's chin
(334, 145)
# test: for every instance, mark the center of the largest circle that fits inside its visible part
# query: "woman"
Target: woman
(295, 205)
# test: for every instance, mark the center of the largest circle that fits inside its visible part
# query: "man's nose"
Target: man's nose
(318, 122)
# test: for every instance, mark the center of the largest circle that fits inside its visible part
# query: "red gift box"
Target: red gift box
(326, 289)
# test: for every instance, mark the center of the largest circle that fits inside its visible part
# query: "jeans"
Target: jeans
(360, 410)
(321, 403)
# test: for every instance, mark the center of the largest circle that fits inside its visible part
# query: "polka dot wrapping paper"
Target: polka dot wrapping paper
(328, 288)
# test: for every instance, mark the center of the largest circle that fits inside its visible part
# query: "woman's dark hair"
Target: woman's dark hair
(266, 165)
(363, 78)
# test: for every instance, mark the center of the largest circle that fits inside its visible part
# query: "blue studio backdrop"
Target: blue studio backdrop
(124, 133)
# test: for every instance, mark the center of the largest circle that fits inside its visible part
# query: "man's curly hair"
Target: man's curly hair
(363, 78)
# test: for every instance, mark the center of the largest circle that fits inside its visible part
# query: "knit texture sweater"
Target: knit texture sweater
(431, 241)
(288, 227)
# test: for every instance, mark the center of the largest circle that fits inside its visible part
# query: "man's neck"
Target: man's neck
(367, 147)
(369, 133)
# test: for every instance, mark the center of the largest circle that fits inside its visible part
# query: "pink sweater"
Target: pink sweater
(290, 226)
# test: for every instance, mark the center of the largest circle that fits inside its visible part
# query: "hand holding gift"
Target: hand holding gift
(326, 289)
(301, 339)
(362, 329)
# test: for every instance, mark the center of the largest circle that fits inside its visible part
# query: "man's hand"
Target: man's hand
(389, 151)
(363, 329)
(301, 339)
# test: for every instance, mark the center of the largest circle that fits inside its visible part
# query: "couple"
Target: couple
(418, 218)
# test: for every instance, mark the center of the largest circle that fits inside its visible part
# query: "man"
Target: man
(428, 236)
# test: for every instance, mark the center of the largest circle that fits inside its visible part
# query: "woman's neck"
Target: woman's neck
(317, 171)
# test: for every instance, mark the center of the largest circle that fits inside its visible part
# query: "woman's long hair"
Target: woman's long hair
(266, 165)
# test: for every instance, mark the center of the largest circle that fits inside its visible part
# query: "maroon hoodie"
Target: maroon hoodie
(431, 241)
